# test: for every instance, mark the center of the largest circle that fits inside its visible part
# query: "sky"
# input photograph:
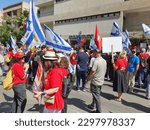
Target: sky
(5, 3)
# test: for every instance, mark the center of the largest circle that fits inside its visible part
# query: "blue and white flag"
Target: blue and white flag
(13, 44)
(127, 39)
(34, 34)
(146, 29)
(116, 31)
(126, 42)
(92, 45)
(55, 41)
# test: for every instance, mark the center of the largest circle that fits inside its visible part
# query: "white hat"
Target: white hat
(50, 55)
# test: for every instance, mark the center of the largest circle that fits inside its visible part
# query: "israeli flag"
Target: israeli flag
(34, 35)
(92, 44)
(146, 29)
(127, 39)
(116, 31)
(55, 41)
(13, 44)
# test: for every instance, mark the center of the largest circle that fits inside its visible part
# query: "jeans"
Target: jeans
(148, 87)
(81, 75)
(142, 75)
(96, 91)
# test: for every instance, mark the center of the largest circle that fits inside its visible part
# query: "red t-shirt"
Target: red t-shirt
(54, 79)
(18, 74)
(143, 55)
(64, 71)
(73, 60)
(121, 63)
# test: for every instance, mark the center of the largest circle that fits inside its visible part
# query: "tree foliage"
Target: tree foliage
(13, 26)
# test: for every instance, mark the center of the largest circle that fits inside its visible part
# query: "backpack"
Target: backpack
(8, 81)
(66, 86)
(143, 62)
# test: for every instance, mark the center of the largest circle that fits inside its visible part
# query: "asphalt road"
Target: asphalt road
(78, 101)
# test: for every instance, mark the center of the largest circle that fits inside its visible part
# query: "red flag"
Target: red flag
(98, 39)
(83, 41)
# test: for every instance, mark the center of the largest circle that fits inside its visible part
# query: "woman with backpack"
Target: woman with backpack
(19, 83)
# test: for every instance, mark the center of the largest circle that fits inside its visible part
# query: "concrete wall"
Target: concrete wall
(75, 5)
(88, 27)
(133, 20)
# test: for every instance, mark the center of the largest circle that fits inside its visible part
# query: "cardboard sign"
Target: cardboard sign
(143, 45)
(108, 42)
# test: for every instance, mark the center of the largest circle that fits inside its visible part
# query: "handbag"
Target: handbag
(49, 99)
(8, 81)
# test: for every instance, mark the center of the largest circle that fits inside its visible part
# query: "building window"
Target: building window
(113, 15)
(59, 1)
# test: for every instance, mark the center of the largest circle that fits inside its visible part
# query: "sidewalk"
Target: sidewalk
(77, 102)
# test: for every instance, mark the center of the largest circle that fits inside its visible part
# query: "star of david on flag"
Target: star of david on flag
(55, 41)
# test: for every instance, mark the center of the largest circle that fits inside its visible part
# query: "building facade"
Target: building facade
(71, 17)
(15, 9)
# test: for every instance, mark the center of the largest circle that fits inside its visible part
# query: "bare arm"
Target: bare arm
(91, 75)
(49, 91)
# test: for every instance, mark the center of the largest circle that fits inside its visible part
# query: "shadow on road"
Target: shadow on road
(36, 108)
(5, 107)
(7, 98)
(136, 106)
(78, 103)
(107, 96)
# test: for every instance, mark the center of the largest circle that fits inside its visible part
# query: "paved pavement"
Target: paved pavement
(77, 102)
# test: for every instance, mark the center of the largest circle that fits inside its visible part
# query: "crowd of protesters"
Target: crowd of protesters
(123, 69)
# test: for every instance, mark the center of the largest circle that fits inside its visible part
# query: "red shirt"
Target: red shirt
(73, 59)
(64, 71)
(54, 79)
(143, 55)
(121, 63)
(10, 54)
(18, 73)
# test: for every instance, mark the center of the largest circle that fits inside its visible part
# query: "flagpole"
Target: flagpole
(112, 51)
(146, 39)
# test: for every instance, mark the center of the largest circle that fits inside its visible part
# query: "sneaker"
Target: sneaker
(95, 111)
(78, 90)
(84, 90)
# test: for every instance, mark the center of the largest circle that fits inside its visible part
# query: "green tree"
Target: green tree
(13, 26)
